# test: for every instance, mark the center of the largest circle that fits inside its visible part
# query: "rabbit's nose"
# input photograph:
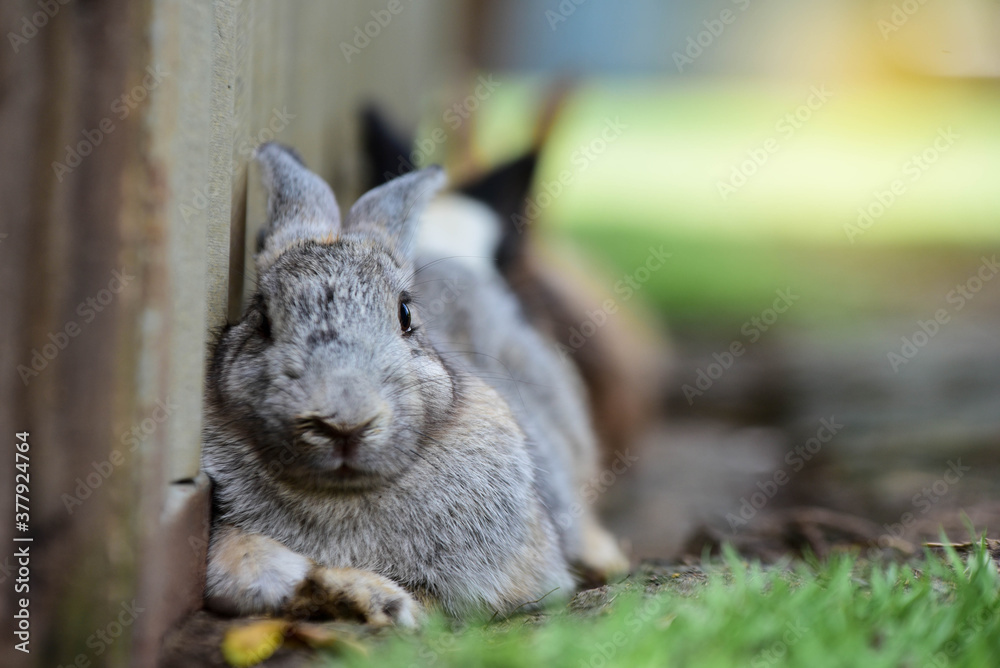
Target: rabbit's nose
(343, 435)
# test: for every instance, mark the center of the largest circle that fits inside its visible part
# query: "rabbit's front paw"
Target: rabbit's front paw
(601, 560)
(349, 593)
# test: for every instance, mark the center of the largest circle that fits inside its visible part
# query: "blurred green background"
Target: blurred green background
(843, 98)
(845, 151)
(794, 215)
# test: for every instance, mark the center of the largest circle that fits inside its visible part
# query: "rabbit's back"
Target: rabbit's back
(475, 320)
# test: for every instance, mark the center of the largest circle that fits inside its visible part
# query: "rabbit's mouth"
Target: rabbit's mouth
(346, 475)
(340, 454)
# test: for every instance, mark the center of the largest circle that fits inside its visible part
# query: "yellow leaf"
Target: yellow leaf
(251, 644)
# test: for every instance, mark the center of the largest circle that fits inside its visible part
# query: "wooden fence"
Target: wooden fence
(126, 210)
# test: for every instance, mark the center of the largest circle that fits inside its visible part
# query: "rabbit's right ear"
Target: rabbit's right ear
(300, 205)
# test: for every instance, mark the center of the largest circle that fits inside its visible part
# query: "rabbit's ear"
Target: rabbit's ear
(300, 205)
(506, 190)
(391, 211)
(387, 153)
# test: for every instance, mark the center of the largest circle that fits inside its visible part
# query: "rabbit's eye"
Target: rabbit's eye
(404, 317)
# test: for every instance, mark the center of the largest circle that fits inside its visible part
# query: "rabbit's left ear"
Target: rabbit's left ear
(505, 190)
(300, 205)
(387, 154)
(391, 211)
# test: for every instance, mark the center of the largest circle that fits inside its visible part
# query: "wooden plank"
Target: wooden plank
(162, 197)
(71, 235)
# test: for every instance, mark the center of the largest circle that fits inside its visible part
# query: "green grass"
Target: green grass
(844, 612)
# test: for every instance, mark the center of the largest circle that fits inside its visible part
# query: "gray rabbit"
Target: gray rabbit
(363, 466)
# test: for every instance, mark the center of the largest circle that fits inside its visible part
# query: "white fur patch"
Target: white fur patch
(455, 226)
(250, 574)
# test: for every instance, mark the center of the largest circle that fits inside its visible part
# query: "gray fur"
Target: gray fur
(448, 498)
(300, 206)
(410, 455)
(394, 218)
(484, 331)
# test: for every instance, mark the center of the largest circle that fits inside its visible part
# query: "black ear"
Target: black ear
(505, 190)
(387, 152)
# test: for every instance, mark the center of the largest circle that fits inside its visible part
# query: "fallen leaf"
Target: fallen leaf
(253, 643)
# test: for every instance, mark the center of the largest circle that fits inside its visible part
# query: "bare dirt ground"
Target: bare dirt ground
(753, 460)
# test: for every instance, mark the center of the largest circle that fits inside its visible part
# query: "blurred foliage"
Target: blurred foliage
(655, 177)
